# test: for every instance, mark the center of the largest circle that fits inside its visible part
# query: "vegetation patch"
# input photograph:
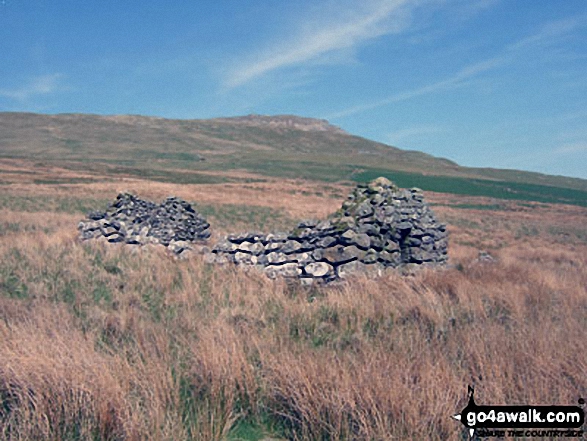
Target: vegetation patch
(479, 187)
(60, 204)
(231, 217)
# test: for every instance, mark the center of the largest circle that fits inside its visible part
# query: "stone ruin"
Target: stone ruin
(379, 226)
(173, 223)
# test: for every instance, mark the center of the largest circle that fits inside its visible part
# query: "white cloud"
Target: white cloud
(549, 33)
(461, 78)
(329, 33)
(40, 85)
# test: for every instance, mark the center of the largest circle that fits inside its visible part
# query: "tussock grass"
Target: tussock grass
(181, 350)
(99, 341)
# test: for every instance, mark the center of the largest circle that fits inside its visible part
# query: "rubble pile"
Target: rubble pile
(173, 223)
(378, 226)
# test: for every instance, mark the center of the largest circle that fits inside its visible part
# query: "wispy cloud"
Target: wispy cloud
(470, 8)
(411, 133)
(329, 33)
(460, 79)
(569, 149)
(40, 85)
(549, 33)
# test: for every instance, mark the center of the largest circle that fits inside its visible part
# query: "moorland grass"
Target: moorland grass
(107, 342)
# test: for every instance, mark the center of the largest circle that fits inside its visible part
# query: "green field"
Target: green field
(480, 187)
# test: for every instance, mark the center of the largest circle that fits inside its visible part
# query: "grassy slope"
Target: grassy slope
(100, 342)
(182, 151)
(480, 187)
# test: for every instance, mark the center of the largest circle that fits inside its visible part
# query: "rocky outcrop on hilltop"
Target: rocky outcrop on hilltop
(173, 223)
(378, 226)
(284, 122)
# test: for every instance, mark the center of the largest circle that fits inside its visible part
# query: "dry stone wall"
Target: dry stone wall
(378, 226)
(173, 223)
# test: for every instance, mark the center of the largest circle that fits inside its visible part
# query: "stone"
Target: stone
(257, 248)
(302, 258)
(346, 222)
(364, 209)
(285, 270)
(307, 281)
(262, 260)
(419, 255)
(115, 238)
(244, 237)
(178, 246)
(318, 254)
(173, 223)
(276, 258)
(276, 237)
(381, 184)
(225, 246)
(404, 226)
(391, 246)
(324, 226)
(346, 269)
(485, 257)
(427, 247)
(413, 242)
(291, 246)
(308, 223)
(362, 241)
(134, 240)
(370, 257)
(370, 229)
(250, 247)
(339, 255)
(427, 239)
(376, 243)
(244, 258)
(390, 259)
(317, 269)
(96, 215)
(348, 237)
(89, 234)
(378, 226)
(326, 242)
(273, 246)
(109, 231)
(441, 244)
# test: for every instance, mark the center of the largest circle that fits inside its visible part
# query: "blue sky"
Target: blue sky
(487, 83)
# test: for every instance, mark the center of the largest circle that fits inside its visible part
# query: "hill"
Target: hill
(110, 341)
(193, 151)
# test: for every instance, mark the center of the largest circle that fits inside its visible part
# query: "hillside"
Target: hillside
(192, 151)
(109, 341)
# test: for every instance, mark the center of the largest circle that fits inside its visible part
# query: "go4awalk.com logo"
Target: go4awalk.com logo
(522, 421)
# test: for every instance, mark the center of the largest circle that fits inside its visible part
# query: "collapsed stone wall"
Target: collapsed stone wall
(173, 223)
(378, 226)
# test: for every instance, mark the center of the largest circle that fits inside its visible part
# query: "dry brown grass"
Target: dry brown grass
(100, 342)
